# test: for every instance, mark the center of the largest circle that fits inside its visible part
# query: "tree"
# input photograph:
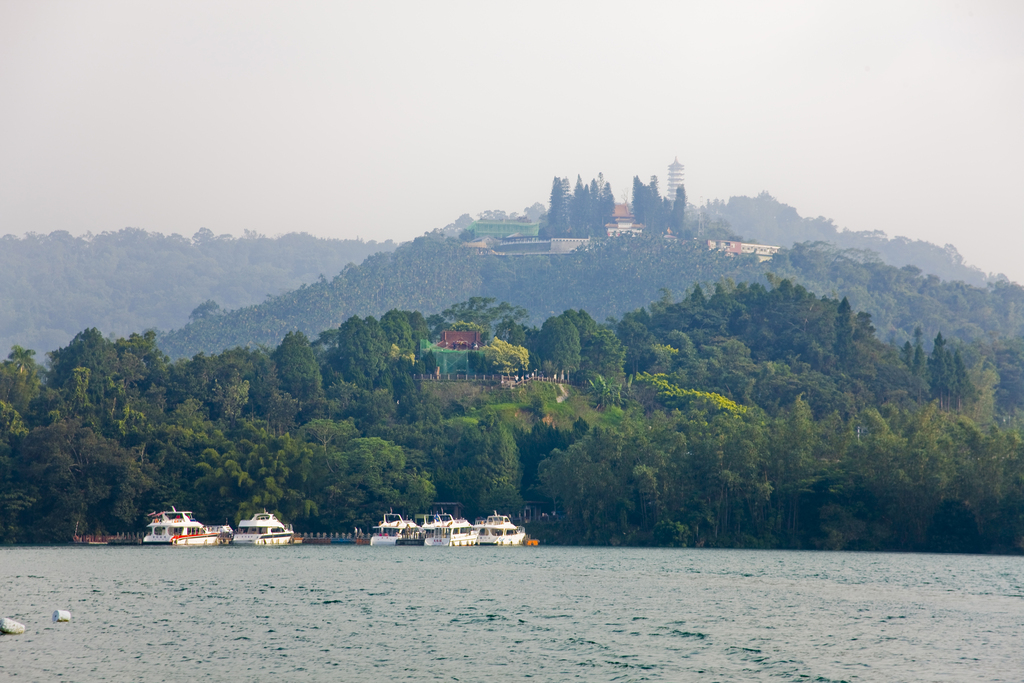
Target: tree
(605, 393)
(559, 344)
(90, 482)
(325, 432)
(950, 384)
(640, 200)
(22, 360)
(297, 368)
(396, 327)
(507, 358)
(11, 424)
(601, 353)
(207, 309)
(558, 208)
(605, 206)
(844, 333)
(678, 219)
(19, 378)
(231, 397)
(639, 342)
(579, 210)
(359, 351)
(379, 471)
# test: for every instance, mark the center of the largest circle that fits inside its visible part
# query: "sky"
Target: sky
(386, 120)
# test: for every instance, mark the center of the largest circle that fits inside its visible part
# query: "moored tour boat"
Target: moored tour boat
(499, 530)
(446, 531)
(263, 529)
(395, 530)
(179, 527)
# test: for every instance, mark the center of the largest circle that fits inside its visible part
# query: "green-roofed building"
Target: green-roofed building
(502, 229)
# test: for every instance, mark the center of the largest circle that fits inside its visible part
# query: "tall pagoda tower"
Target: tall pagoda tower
(675, 179)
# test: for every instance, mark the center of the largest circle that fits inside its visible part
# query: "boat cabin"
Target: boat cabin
(261, 523)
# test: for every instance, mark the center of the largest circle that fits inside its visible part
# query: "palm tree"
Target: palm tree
(21, 358)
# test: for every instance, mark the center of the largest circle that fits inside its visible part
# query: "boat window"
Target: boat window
(159, 531)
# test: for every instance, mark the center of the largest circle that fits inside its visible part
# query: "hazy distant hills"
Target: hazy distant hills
(608, 279)
(766, 220)
(54, 286)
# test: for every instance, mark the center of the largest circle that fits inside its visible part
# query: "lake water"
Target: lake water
(356, 613)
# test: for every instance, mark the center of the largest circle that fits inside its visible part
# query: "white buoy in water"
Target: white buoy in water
(61, 615)
(11, 627)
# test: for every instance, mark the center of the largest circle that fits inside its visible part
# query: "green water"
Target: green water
(356, 613)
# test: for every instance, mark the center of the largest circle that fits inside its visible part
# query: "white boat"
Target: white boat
(395, 530)
(263, 529)
(435, 521)
(446, 531)
(499, 530)
(179, 527)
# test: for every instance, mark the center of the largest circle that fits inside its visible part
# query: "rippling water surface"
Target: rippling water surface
(347, 613)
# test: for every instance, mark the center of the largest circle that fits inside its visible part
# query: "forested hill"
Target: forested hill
(765, 219)
(737, 417)
(608, 279)
(55, 285)
(433, 272)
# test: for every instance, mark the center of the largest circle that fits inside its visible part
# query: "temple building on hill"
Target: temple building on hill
(734, 248)
(622, 222)
(502, 229)
(460, 340)
(675, 179)
(524, 245)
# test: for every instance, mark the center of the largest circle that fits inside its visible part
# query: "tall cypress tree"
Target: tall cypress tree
(557, 209)
(639, 200)
(657, 207)
(678, 221)
(655, 195)
(594, 221)
(940, 372)
(606, 204)
(579, 209)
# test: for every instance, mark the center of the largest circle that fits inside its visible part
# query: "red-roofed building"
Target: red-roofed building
(460, 340)
(622, 222)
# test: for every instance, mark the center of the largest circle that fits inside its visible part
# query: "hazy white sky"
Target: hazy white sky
(385, 120)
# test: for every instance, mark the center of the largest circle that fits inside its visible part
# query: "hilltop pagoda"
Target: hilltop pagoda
(675, 179)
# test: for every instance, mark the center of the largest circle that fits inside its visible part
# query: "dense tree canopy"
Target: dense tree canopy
(609, 279)
(741, 416)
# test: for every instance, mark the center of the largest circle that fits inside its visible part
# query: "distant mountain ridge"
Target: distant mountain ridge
(765, 219)
(607, 279)
(54, 286)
